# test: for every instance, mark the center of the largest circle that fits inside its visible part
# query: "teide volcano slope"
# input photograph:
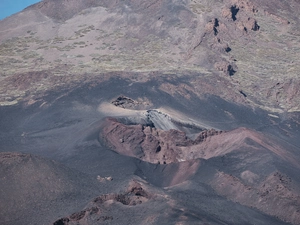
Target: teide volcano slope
(150, 112)
(251, 44)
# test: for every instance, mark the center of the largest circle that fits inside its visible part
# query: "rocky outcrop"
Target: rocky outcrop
(270, 195)
(129, 103)
(135, 195)
(225, 67)
(124, 102)
(151, 144)
(95, 212)
(283, 93)
(143, 142)
(168, 146)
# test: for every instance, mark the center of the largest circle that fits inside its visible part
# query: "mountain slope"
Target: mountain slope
(245, 41)
(150, 112)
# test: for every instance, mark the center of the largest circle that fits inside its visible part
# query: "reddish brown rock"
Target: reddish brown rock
(271, 195)
(151, 144)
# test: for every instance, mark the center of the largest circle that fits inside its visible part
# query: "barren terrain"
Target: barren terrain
(150, 112)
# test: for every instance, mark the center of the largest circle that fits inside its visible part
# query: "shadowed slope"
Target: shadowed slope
(30, 184)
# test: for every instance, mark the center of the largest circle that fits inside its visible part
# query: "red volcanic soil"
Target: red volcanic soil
(274, 193)
(269, 192)
(167, 146)
(150, 144)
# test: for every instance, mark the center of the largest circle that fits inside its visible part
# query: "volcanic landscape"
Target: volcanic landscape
(144, 112)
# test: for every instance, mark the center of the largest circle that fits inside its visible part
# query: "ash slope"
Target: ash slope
(35, 190)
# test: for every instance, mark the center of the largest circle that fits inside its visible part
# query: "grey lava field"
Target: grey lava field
(163, 112)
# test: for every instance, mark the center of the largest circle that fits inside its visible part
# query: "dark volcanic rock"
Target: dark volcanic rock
(128, 103)
(95, 212)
